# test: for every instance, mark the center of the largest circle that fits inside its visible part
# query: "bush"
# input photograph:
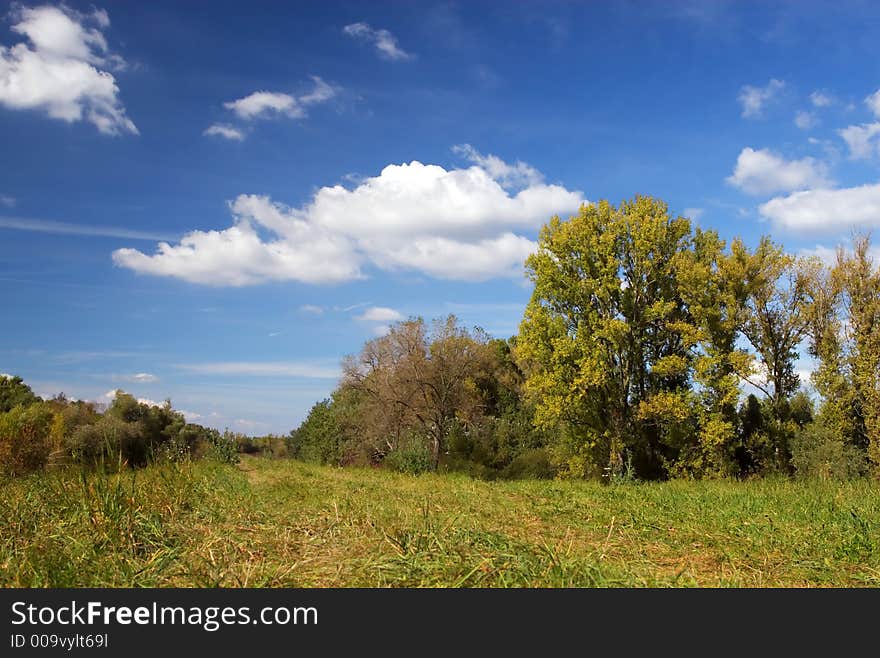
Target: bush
(25, 441)
(106, 441)
(411, 456)
(818, 451)
(531, 464)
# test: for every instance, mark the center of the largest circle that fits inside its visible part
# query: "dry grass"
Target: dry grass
(288, 524)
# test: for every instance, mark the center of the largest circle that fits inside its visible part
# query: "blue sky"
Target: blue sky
(215, 202)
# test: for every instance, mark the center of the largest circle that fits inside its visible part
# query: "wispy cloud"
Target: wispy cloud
(137, 378)
(78, 356)
(384, 42)
(7, 201)
(65, 228)
(755, 99)
(311, 308)
(263, 369)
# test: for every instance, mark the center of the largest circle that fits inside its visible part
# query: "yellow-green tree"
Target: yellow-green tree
(606, 341)
(712, 283)
(845, 337)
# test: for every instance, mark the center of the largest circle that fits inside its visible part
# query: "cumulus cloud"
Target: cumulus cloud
(764, 172)
(826, 210)
(265, 104)
(755, 99)
(224, 130)
(873, 103)
(61, 68)
(863, 141)
(820, 99)
(384, 42)
(451, 224)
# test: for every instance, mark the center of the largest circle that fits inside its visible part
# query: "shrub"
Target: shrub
(410, 456)
(531, 464)
(25, 441)
(107, 440)
(818, 451)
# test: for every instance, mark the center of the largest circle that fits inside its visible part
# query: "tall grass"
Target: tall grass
(284, 523)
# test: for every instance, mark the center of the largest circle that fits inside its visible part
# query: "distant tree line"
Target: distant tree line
(36, 433)
(650, 349)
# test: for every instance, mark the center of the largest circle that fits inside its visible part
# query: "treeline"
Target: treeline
(37, 433)
(650, 349)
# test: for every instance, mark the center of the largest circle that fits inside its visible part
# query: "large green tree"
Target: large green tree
(607, 337)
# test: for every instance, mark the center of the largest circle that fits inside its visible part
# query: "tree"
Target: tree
(776, 323)
(845, 337)
(606, 336)
(712, 285)
(14, 392)
(413, 379)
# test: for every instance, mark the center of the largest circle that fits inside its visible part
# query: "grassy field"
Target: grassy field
(287, 524)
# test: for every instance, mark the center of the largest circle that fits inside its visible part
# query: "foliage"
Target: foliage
(14, 392)
(411, 455)
(820, 452)
(25, 438)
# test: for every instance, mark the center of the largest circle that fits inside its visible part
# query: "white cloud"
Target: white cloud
(64, 228)
(263, 104)
(263, 369)
(820, 99)
(136, 378)
(311, 308)
(190, 416)
(224, 130)
(754, 99)
(383, 40)
(58, 71)
(873, 103)
(826, 210)
(7, 201)
(805, 120)
(863, 141)
(238, 256)
(450, 224)
(511, 176)
(828, 255)
(381, 314)
(764, 172)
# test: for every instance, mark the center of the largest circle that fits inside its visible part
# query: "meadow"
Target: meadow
(284, 523)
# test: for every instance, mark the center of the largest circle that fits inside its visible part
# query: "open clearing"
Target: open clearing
(282, 523)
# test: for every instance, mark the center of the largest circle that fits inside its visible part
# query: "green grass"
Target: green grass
(288, 524)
